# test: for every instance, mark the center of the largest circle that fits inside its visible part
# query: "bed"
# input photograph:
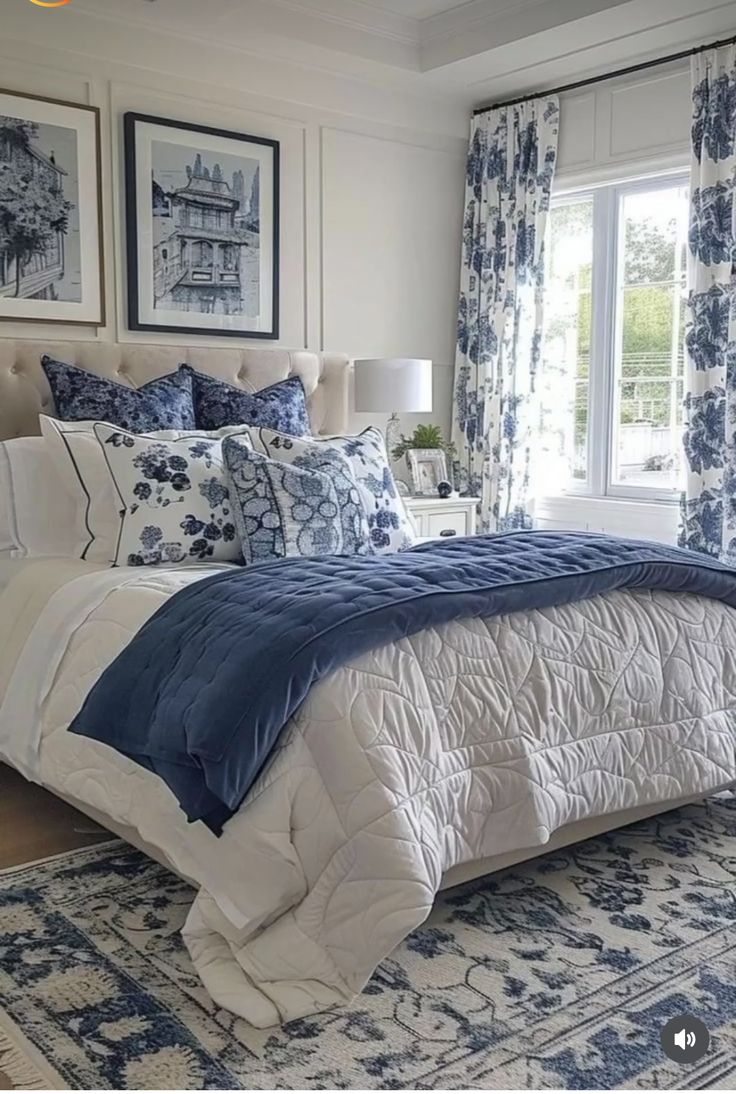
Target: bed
(417, 765)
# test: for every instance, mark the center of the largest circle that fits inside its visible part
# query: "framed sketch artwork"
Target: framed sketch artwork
(203, 229)
(50, 211)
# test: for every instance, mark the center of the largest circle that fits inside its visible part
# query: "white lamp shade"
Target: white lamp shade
(387, 384)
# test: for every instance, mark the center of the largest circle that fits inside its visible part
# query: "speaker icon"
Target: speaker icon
(685, 1039)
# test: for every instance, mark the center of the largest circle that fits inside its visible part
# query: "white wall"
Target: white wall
(610, 132)
(371, 179)
(625, 127)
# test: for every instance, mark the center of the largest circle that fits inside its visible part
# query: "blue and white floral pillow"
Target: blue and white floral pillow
(389, 526)
(166, 403)
(281, 406)
(282, 510)
(174, 497)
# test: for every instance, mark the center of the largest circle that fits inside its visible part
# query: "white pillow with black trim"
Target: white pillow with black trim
(80, 468)
(35, 517)
(174, 499)
(389, 526)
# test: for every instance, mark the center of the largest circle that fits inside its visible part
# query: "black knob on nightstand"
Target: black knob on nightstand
(448, 532)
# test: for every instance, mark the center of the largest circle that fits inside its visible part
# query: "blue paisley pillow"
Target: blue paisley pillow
(389, 526)
(308, 507)
(282, 406)
(79, 396)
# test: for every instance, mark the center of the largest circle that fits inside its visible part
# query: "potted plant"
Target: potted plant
(425, 438)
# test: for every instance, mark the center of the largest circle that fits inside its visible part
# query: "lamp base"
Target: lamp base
(393, 433)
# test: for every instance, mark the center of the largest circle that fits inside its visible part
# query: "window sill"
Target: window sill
(607, 500)
(635, 518)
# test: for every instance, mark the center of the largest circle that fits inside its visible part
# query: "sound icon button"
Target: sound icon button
(685, 1039)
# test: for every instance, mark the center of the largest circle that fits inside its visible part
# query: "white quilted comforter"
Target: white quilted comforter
(466, 741)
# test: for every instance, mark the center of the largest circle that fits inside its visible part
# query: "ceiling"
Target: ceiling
(471, 51)
(419, 9)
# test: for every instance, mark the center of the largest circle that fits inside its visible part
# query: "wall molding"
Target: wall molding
(615, 516)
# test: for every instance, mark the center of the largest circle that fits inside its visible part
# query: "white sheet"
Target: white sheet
(8, 570)
(65, 612)
(465, 741)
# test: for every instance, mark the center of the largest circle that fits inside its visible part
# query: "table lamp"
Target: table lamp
(393, 385)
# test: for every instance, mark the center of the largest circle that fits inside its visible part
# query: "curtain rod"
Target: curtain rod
(606, 76)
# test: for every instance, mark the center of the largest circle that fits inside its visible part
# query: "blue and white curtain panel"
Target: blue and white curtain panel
(511, 164)
(709, 504)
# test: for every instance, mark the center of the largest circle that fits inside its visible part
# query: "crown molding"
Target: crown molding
(453, 58)
(321, 33)
(470, 16)
(278, 69)
(487, 26)
(358, 15)
(557, 59)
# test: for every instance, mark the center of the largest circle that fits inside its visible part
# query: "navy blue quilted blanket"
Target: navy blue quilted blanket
(202, 692)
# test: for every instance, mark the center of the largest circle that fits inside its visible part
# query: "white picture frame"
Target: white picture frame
(428, 470)
(51, 262)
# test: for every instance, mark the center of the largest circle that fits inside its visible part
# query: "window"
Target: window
(613, 342)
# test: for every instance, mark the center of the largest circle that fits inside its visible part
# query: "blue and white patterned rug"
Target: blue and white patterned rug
(559, 973)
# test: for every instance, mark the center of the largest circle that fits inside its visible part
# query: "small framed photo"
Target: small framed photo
(51, 264)
(428, 470)
(202, 229)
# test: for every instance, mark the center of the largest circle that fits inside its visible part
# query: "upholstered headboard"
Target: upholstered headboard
(24, 391)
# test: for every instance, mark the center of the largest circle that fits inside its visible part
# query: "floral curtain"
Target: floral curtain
(709, 504)
(510, 168)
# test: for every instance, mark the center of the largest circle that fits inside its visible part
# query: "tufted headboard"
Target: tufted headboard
(24, 390)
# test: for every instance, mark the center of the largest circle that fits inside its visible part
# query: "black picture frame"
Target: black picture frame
(136, 322)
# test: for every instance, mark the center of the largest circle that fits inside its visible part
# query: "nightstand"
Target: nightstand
(434, 516)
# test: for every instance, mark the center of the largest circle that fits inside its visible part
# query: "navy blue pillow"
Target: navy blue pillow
(79, 396)
(281, 407)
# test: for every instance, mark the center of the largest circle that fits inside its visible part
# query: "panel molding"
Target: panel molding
(424, 327)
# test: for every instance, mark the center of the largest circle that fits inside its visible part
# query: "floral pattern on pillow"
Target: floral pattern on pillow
(176, 502)
(282, 406)
(389, 527)
(280, 509)
(166, 403)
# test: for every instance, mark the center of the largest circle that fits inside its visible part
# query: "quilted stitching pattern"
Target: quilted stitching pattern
(206, 702)
(467, 740)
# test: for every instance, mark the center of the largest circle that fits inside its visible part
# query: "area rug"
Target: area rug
(559, 973)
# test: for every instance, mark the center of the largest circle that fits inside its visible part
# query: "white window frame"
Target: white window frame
(607, 331)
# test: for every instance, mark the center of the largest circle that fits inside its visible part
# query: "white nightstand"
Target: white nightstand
(433, 516)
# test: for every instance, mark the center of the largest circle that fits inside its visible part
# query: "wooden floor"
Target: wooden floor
(34, 824)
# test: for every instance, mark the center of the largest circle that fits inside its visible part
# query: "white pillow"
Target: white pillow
(7, 536)
(35, 517)
(82, 470)
(174, 498)
(390, 528)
